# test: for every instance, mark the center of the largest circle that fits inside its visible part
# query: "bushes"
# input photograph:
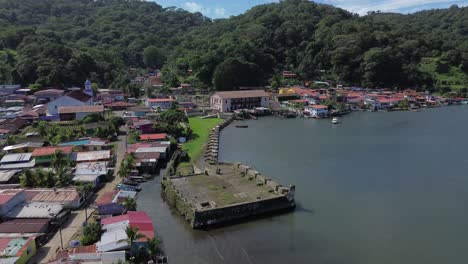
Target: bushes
(91, 234)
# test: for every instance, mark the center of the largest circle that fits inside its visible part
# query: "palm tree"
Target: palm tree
(129, 204)
(27, 179)
(132, 235)
(153, 247)
(61, 164)
(42, 128)
(124, 170)
(127, 165)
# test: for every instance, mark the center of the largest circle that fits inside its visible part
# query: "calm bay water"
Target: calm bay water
(379, 188)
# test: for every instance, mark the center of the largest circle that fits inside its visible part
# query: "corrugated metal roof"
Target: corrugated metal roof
(24, 145)
(81, 109)
(6, 175)
(24, 165)
(106, 198)
(111, 241)
(16, 158)
(86, 178)
(35, 210)
(91, 168)
(47, 151)
(242, 94)
(152, 149)
(63, 196)
(24, 225)
(91, 155)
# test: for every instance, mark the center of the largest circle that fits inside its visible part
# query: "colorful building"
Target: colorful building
(17, 250)
(44, 155)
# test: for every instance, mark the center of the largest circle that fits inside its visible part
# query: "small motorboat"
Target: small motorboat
(242, 126)
(335, 120)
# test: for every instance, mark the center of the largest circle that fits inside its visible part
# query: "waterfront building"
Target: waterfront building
(235, 100)
(106, 205)
(114, 236)
(317, 111)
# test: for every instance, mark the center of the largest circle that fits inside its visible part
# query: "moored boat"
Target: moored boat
(242, 126)
(335, 120)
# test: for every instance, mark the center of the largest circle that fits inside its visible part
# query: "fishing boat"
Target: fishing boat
(335, 120)
(130, 182)
(242, 126)
(125, 187)
(137, 179)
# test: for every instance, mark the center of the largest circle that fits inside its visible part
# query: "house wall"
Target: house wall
(160, 105)
(52, 107)
(227, 104)
(43, 159)
(28, 253)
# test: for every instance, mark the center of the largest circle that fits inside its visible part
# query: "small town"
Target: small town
(73, 160)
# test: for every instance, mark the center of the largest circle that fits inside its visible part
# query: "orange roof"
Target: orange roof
(160, 136)
(318, 106)
(47, 151)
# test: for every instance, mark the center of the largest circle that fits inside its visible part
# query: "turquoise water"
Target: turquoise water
(377, 188)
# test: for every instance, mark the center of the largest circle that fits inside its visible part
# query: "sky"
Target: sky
(226, 8)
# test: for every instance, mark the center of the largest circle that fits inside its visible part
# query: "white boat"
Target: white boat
(335, 120)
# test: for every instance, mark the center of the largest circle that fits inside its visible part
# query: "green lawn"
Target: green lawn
(201, 128)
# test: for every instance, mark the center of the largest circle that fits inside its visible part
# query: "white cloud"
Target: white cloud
(192, 7)
(220, 12)
(363, 6)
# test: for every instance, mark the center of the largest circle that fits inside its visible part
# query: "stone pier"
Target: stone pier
(226, 192)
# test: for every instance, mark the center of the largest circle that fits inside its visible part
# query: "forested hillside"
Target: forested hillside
(322, 42)
(61, 42)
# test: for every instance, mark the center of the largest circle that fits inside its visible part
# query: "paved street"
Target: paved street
(77, 218)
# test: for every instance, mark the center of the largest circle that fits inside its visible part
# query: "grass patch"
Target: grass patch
(201, 129)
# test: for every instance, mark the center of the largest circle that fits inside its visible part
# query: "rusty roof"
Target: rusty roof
(79, 95)
(242, 94)
(81, 109)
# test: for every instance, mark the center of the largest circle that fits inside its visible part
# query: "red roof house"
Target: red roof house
(154, 137)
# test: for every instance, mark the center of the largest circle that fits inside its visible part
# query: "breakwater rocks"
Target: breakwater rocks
(212, 147)
(226, 192)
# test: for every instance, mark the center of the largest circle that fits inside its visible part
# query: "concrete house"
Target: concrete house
(234, 100)
(161, 103)
(317, 111)
(17, 250)
(45, 154)
(79, 112)
(73, 98)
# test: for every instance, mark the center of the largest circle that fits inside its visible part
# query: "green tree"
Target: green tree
(129, 204)
(91, 234)
(62, 166)
(152, 57)
(132, 235)
(153, 247)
